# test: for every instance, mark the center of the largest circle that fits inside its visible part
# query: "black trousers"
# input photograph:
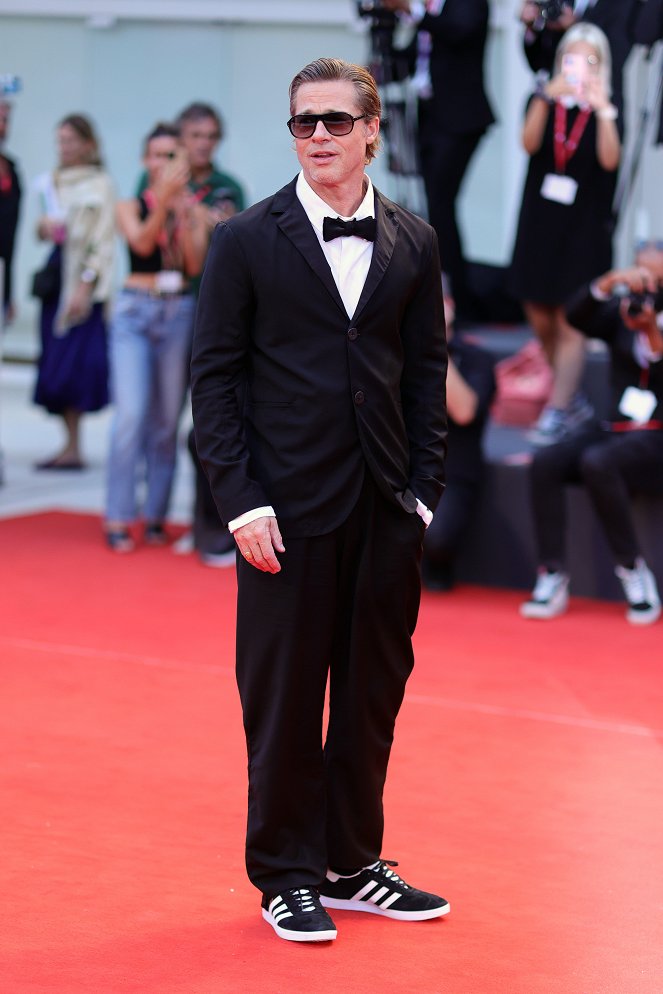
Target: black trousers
(612, 466)
(345, 605)
(450, 524)
(444, 161)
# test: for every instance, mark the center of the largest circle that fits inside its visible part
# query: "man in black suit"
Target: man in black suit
(10, 197)
(616, 18)
(318, 397)
(454, 114)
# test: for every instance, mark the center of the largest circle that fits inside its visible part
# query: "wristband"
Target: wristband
(608, 113)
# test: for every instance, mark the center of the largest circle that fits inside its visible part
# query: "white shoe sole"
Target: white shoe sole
(284, 933)
(542, 612)
(403, 916)
(644, 617)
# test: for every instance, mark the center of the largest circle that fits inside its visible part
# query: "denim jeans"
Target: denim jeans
(150, 342)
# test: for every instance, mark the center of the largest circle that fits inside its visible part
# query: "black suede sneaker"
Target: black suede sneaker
(296, 914)
(380, 891)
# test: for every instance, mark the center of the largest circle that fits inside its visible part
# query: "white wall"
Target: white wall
(241, 55)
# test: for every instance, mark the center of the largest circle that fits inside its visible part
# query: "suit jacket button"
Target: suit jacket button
(359, 397)
(352, 334)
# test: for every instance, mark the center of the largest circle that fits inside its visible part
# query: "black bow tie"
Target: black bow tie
(334, 227)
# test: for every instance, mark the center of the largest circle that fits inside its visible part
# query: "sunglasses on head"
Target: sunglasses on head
(336, 122)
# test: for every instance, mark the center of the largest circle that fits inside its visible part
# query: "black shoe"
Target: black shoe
(155, 533)
(296, 914)
(120, 540)
(382, 892)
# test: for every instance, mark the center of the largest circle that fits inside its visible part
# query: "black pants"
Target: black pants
(451, 521)
(444, 161)
(344, 604)
(611, 466)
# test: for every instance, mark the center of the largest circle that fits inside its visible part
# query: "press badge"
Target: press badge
(560, 189)
(639, 405)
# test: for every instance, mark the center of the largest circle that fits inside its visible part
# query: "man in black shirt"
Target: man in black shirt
(615, 458)
(470, 390)
(10, 196)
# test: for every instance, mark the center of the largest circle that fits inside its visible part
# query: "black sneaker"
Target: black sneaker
(155, 533)
(296, 914)
(379, 890)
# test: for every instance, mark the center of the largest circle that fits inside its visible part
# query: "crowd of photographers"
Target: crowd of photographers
(561, 273)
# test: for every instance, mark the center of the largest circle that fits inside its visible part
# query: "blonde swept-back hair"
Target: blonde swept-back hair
(337, 70)
(591, 35)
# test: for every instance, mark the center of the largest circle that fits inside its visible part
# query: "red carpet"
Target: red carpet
(526, 785)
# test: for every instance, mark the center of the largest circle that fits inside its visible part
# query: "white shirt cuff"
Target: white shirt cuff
(417, 10)
(248, 516)
(598, 294)
(644, 353)
(424, 512)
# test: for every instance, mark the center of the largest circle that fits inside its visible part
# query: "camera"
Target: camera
(378, 13)
(638, 301)
(551, 10)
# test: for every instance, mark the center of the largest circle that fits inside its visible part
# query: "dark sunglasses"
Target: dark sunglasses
(336, 122)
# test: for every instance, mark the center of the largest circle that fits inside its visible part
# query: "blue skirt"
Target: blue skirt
(73, 368)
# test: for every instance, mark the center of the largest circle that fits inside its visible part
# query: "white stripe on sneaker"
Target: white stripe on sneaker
(377, 897)
(365, 890)
(390, 900)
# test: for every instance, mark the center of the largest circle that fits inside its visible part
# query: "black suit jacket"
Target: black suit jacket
(292, 400)
(459, 104)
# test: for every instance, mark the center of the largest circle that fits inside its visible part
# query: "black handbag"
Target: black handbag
(46, 282)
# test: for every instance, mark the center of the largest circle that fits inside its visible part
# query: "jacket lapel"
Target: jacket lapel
(293, 221)
(387, 227)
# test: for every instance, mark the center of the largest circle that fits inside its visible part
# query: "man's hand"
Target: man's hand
(259, 541)
(529, 13)
(638, 279)
(644, 323)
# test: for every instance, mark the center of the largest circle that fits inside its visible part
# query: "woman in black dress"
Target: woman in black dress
(564, 236)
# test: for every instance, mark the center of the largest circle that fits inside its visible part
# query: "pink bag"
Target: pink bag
(524, 383)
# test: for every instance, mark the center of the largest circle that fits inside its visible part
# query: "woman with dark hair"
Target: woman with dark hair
(166, 231)
(76, 217)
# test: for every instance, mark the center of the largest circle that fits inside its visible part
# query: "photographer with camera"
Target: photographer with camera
(616, 458)
(150, 336)
(454, 114)
(546, 21)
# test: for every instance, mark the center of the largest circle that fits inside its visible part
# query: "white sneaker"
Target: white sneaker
(550, 596)
(549, 428)
(641, 593)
